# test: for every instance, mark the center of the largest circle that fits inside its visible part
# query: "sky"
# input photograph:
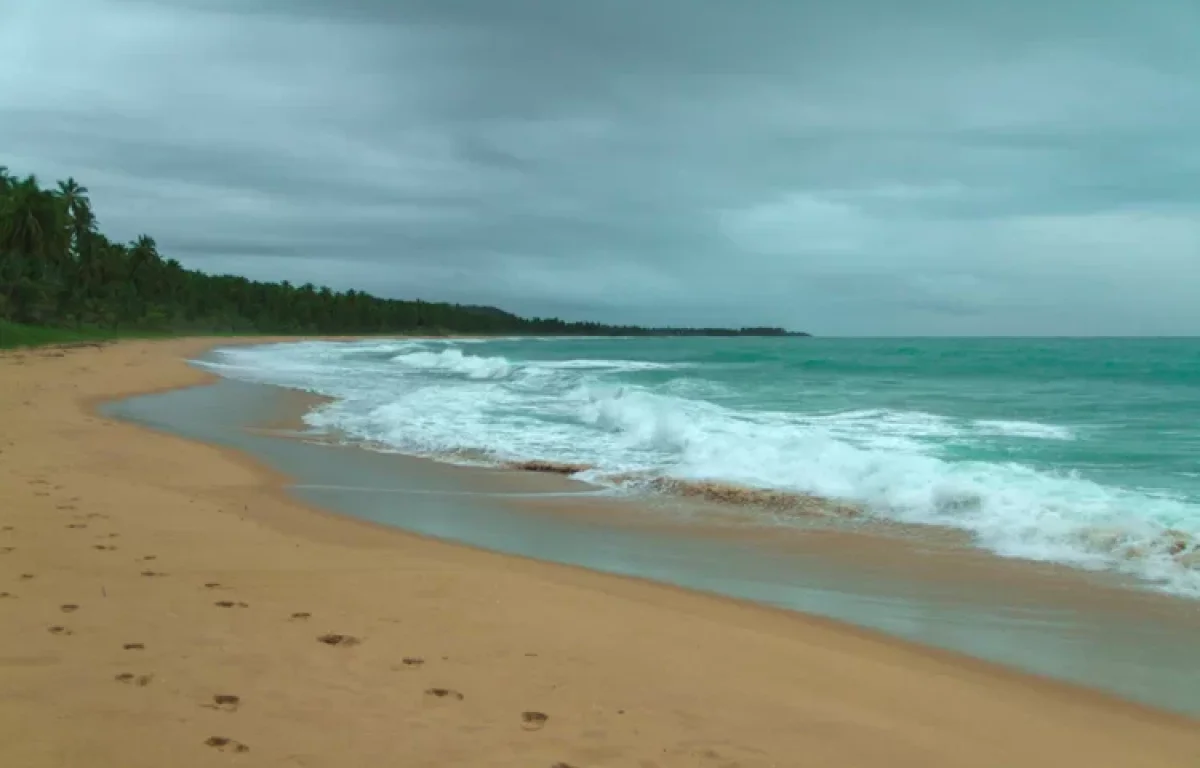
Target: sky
(864, 167)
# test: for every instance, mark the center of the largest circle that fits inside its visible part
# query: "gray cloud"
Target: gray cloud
(864, 167)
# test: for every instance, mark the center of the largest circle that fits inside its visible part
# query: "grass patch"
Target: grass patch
(13, 335)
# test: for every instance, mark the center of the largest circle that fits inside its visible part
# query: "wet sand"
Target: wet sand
(166, 599)
(923, 584)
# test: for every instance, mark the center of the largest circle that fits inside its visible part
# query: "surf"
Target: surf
(755, 430)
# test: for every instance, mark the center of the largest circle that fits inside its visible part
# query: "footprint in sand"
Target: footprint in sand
(57, 630)
(77, 525)
(6, 528)
(226, 702)
(212, 585)
(301, 616)
(104, 547)
(149, 557)
(412, 661)
(335, 639)
(153, 573)
(68, 608)
(225, 745)
(134, 646)
(6, 595)
(6, 550)
(26, 576)
(129, 678)
(533, 721)
(444, 693)
(231, 604)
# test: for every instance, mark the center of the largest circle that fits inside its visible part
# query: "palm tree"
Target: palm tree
(73, 193)
(145, 250)
(56, 268)
(81, 232)
(78, 206)
(30, 223)
(32, 241)
(142, 260)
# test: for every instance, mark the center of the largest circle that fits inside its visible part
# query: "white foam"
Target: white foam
(454, 361)
(434, 398)
(1030, 429)
(611, 365)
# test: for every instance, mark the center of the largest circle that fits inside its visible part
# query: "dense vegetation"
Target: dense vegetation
(59, 273)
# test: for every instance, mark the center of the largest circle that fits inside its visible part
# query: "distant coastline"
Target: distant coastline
(59, 272)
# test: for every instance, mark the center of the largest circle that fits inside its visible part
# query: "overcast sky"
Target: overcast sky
(865, 167)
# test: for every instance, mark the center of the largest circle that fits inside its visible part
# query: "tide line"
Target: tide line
(419, 491)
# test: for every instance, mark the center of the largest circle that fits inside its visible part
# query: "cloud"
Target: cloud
(854, 168)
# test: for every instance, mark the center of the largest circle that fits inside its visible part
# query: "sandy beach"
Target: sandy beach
(166, 603)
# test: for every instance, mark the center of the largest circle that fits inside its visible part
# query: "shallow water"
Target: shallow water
(1154, 658)
(1082, 452)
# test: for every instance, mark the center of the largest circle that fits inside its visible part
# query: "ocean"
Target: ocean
(1084, 452)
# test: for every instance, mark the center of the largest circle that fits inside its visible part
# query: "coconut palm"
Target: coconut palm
(57, 268)
(31, 246)
(31, 223)
(78, 206)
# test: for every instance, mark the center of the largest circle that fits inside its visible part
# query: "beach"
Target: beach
(167, 602)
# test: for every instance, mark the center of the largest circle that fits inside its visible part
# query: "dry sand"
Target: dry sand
(162, 603)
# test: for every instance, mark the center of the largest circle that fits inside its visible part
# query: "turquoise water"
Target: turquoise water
(1076, 451)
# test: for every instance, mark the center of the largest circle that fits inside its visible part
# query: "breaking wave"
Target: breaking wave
(665, 427)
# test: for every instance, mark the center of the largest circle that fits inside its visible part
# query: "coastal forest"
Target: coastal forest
(58, 270)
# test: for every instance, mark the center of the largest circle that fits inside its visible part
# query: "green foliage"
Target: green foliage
(61, 279)
(16, 335)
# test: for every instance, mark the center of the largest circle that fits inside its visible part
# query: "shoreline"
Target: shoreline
(547, 484)
(542, 486)
(1006, 508)
(730, 510)
(511, 635)
(915, 584)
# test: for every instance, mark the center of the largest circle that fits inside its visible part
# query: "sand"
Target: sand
(164, 603)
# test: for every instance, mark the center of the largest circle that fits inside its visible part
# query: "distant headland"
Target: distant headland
(57, 270)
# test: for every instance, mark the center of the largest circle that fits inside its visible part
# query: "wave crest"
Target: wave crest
(455, 362)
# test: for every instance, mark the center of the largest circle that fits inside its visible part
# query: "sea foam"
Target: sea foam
(437, 399)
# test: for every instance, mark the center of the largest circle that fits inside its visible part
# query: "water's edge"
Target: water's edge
(1094, 470)
(1154, 660)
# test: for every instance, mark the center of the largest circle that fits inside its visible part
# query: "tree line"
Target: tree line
(58, 270)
